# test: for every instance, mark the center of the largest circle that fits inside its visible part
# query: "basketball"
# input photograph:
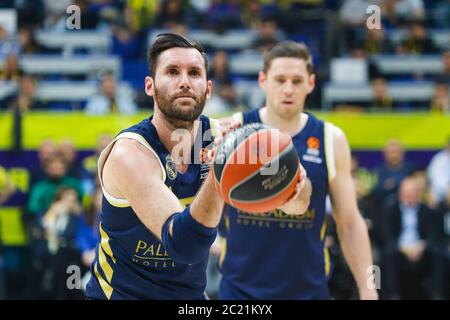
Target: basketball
(256, 168)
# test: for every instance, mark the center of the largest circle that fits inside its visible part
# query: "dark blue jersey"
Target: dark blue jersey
(130, 262)
(275, 255)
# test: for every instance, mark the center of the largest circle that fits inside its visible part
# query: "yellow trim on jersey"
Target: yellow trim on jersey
(223, 251)
(104, 265)
(326, 255)
(105, 243)
(107, 289)
(118, 202)
(329, 151)
(323, 231)
(186, 201)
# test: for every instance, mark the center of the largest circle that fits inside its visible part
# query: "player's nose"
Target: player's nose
(184, 81)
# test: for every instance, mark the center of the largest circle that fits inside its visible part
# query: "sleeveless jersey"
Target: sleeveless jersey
(130, 261)
(275, 255)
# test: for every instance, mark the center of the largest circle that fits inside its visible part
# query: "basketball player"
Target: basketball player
(153, 245)
(282, 256)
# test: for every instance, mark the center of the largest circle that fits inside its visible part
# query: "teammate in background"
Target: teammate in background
(282, 256)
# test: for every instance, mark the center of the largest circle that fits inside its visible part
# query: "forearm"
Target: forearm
(355, 243)
(207, 205)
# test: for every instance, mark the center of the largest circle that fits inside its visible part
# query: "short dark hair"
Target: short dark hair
(289, 49)
(167, 41)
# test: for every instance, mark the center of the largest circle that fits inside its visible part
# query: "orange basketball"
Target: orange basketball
(256, 168)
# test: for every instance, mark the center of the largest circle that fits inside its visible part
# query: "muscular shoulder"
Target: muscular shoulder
(129, 157)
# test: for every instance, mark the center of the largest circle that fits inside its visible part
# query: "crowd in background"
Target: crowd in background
(331, 28)
(407, 208)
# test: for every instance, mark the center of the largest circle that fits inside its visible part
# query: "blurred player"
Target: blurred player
(282, 256)
(152, 246)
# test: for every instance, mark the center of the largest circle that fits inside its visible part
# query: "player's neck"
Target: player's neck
(293, 125)
(179, 144)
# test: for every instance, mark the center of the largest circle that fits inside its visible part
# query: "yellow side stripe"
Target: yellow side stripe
(104, 265)
(105, 243)
(327, 261)
(223, 251)
(323, 231)
(107, 289)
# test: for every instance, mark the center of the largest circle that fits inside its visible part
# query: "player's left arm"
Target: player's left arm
(351, 227)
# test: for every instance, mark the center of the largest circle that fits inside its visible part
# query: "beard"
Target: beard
(175, 111)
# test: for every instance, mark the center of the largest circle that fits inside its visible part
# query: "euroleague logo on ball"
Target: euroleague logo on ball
(256, 168)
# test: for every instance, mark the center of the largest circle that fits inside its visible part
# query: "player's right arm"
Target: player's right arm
(132, 172)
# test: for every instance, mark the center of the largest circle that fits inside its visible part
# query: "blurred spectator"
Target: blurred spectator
(224, 14)
(224, 97)
(43, 192)
(251, 14)
(60, 223)
(69, 154)
(353, 16)
(125, 42)
(366, 179)
(89, 18)
(410, 262)
(391, 173)
(55, 14)
(88, 171)
(28, 44)
(175, 12)
(6, 187)
(268, 36)
(439, 174)
(140, 14)
(87, 233)
(381, 101)
(45, 153)
(30, 13)
(445, 76)
(377, 43)
(441, 237)
(399, 11)
(25, 100)
(10, 70)
(417, 41)
(110, 100)
(440, 102)
(219, 71)
(8, 44)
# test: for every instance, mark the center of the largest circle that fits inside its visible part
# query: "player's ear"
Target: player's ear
(149, 86)
(208, 89)
(262, 80)
(311, 82)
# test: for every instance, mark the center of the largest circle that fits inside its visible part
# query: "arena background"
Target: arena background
(375, 85)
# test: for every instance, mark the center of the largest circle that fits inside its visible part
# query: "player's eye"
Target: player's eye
(172, 72)
(194, 73)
